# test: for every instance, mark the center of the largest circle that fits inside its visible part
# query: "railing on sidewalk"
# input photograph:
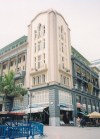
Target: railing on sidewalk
(21, 130)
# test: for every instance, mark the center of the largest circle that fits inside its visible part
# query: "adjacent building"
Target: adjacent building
(85, 84)
(59, 80)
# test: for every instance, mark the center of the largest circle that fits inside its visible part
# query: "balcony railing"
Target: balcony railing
(36, 70)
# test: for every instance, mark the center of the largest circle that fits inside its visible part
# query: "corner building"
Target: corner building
(43, 64)
(49, 63)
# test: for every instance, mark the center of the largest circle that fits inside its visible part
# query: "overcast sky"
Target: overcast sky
(83, 17)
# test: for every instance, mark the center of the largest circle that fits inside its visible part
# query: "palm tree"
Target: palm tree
(8, 87)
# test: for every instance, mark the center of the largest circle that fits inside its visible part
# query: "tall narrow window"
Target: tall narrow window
(39, 43)
(39, 30)
(38, 79)
(61, 78)
(67, 81)
(35, 34)
(44, 57)
(62, 58)
(35, 62)
(61, 29)
(44, 43)
(24, 58)
(35, 47)
(43, 78)
(19, 60)
(43, 30)
(64, 80)
(33, 80)
(38, 64)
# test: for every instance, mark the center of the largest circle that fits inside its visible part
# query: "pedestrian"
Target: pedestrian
(78, 122)
(82, 122)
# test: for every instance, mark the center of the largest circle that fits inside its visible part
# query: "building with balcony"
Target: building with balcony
(46, 64)
(85, 85)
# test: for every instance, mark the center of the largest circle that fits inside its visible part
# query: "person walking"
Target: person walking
(78, 122)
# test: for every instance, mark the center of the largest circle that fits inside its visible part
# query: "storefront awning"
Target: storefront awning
(16, 113)
(3, 112)
(66, 108)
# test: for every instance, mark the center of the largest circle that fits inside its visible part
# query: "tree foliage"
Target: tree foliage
(9, 88)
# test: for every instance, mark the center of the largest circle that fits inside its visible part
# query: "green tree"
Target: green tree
(9, 88)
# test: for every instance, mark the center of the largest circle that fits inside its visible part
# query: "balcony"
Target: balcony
(63, 69)
(20, 74)
(39, 70)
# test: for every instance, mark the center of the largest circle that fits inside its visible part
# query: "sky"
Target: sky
(82, 16)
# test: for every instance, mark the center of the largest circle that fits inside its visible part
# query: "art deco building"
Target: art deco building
(45, 64)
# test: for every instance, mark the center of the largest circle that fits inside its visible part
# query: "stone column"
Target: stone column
(54, 108)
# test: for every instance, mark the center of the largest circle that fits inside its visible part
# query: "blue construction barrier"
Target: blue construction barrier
(21, 130)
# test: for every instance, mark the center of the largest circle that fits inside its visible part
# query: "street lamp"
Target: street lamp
(29, 103)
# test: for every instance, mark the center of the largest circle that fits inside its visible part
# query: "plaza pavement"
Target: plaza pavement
(66, 132)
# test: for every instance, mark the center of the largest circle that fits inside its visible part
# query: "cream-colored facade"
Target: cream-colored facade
(41, 59)
(46, 56)
(42, 62)
(49, 50)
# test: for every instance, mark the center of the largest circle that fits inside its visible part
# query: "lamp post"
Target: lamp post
(29, 103)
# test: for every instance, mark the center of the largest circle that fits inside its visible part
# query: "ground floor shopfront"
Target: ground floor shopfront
(49, 104)
(85, 103)
(53, 104)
